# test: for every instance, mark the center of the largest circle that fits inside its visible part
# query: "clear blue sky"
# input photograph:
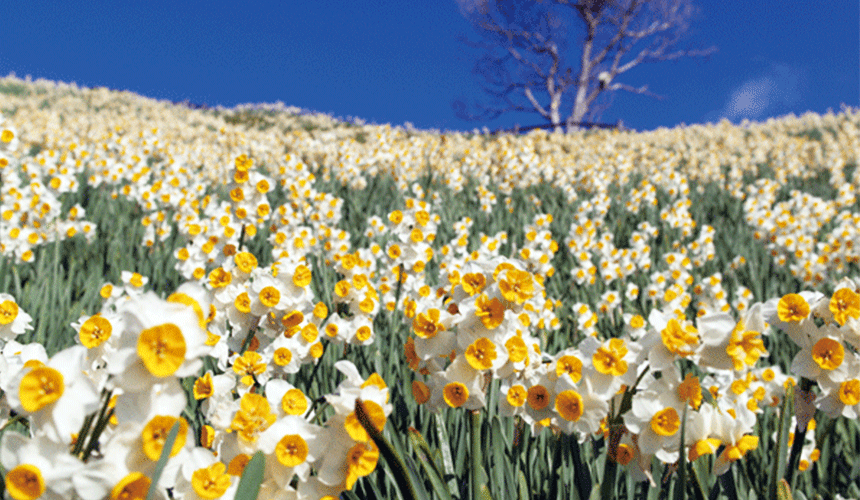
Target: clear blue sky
(389, 61)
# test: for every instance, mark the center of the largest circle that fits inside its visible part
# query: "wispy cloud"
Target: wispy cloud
(470, 7)
(773, 92)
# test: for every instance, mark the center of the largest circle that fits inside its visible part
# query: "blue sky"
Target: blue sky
(389, 61)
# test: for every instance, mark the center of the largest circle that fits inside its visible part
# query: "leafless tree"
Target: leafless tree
(529, 58)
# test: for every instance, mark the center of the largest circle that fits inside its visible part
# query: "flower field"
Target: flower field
(262, 303)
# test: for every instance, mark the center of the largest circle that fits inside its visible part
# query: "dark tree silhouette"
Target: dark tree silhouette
(549, 56)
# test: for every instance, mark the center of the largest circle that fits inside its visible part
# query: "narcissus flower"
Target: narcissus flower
(13, 320)
(291, 446)
(57, 395)
(160, 339)
(37, 467)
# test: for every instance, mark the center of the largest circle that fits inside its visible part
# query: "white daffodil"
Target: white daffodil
(57, 396)
(37, 467)
(203, 477)
(161, 339)
(291, 446)
(579, 409)
(13, 320)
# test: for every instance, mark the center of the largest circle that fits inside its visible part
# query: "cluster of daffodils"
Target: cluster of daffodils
(827, 330)
(630, 388)
(213, 235)
(30, 206)
(99, 412)
(811, 236)
(480, 330)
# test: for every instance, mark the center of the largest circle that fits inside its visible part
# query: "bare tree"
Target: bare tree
(528, 64)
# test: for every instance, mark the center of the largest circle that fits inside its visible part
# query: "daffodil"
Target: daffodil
(291, 446)
(13, 320)
(203, 477)
(56, 395)
(579, 409)
(161, 339)
(37, 467)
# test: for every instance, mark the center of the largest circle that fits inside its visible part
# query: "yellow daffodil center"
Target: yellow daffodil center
(294, 402)
(745, 347)
(95, 331)
(211, 482)
(736, 452)
(361, 460)
(517, 350)
(291, 450)
(845, 304)
(162, 349)
(828, 353)
(568, 404)
(245, 261)
(302, 277)
(420, 392)
(270, 296)
(516, 396)
(538, 397)
(204, 387)
(679, 340)
(155, 433)
(426, 325)
(40, 387)
(666, 422)
(249, 365)
(455, 394)
(220, 278)
(282, 356)
(517, 286)
(134, 486)
(25, 482)
(481, 353)
(706, 446)
(254, 416)
(490, 311)
(690, 391)
(849, 392)
(624, 454)
(473, 283)
(608, 359)
(8, 312)
(243, 303)
(792, 307)
(571, 365)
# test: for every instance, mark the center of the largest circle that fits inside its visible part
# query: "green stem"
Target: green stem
(607, 485)
(475, 431)
(17, 281)
(799, 434)
(392, 458)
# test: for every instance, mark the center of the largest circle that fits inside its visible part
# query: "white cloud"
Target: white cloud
(751, 99)
(469, 7)
(765, 95)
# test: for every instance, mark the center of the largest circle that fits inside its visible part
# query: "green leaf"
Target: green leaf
(445, 448)
(681, 483)
(781, 452)
(252, 477)
(162, 460)
(783, 491)
(398, 468)
(523, 486)
(421, 446)
(485, 493)
(429, 465)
